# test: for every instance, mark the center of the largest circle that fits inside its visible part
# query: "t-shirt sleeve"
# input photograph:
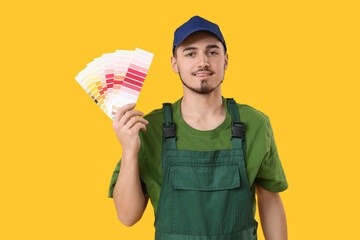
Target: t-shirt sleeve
(271, 174)
(115, 177)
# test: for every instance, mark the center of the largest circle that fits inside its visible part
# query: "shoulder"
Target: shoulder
(252, 115)
(155, 115)
(252, 112)
(154, 128)
(257, 123)
(258, 128)
(155, 119)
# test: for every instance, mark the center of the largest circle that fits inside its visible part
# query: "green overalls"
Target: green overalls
(205, 195)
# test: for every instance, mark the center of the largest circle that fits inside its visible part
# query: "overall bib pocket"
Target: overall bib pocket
(205, 198)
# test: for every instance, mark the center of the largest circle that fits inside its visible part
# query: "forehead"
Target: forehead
(201, 38)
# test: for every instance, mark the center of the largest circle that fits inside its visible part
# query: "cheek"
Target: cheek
(184, 68)
(221, 67)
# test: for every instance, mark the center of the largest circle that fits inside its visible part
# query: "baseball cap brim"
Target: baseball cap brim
(183, 37)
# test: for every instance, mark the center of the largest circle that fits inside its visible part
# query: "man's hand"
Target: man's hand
(127, 124)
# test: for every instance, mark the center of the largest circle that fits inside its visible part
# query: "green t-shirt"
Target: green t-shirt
(262, 161)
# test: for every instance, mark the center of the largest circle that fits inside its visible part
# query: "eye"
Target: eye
(190, 54)
(213, 53)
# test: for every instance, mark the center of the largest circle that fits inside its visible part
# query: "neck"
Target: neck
(202, 105)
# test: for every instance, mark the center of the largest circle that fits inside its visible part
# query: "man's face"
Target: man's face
(201, 62)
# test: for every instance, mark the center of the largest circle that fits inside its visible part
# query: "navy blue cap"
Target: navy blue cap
(195, 24)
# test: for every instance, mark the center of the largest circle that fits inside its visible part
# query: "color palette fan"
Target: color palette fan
(115, 79)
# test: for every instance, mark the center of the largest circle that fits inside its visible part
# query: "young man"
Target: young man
(200, 159)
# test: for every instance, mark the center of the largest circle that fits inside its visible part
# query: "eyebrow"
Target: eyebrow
(207, 47)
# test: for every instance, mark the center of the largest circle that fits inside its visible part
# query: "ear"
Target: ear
(174, 64)
(226, 61)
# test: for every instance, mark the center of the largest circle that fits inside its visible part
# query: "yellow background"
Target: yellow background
(296, 61)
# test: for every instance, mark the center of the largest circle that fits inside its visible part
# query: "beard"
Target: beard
(204, 87)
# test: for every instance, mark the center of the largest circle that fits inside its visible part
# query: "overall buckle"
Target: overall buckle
(237, 130)
(169, 130)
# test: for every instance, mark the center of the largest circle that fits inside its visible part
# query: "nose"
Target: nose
(203, 61)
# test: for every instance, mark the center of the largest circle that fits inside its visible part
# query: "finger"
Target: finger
(128, 115)
(121, 111)
(139, 126)
(135, 120)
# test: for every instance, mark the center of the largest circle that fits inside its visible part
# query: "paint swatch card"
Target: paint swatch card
(88, 79)
(122, 61)
(115, 79)
(133, 81)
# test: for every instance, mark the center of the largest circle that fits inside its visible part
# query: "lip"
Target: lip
(203, 74)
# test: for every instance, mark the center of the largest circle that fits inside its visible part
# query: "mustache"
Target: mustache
(203, 70)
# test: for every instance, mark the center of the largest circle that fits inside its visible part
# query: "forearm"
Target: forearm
(128, 196)
(272, 216)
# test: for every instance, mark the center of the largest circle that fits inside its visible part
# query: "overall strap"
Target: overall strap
(169, 135)
(238, 137)
(169, 128)
(237, 127)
